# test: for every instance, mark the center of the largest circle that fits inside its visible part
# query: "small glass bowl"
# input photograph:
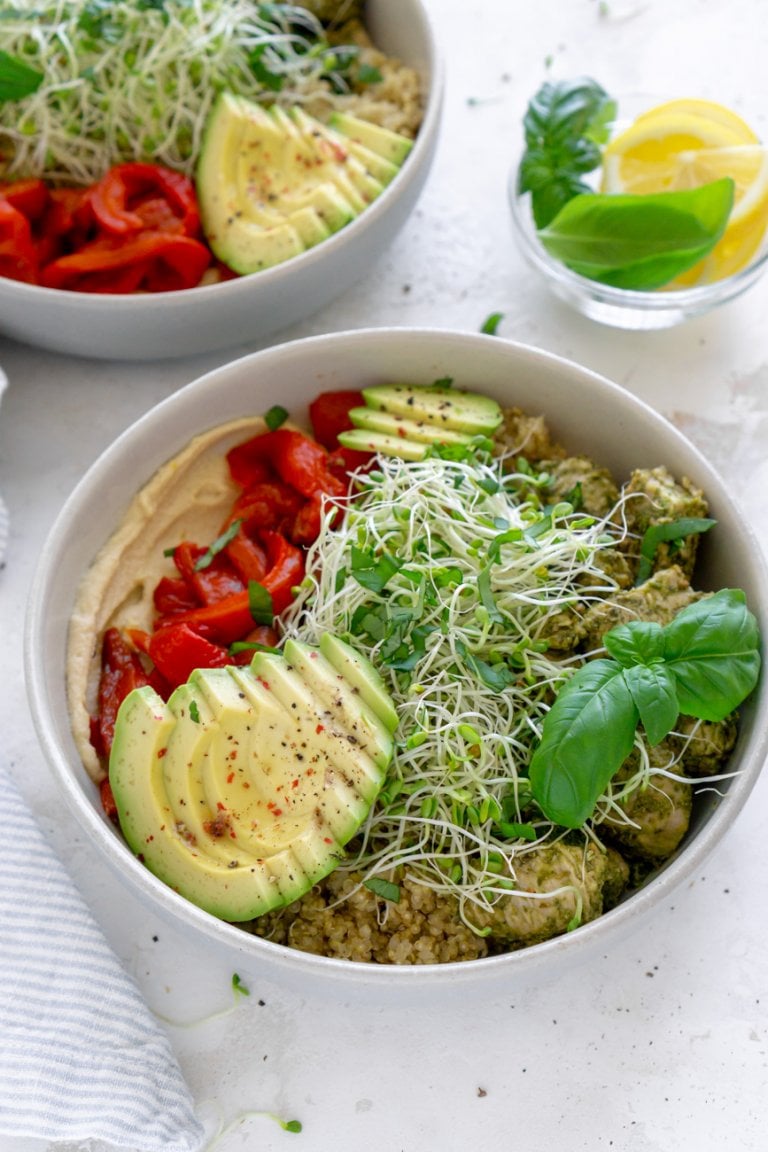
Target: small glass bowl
(624, 307)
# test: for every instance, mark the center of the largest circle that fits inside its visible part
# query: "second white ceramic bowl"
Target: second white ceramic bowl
(169, 324)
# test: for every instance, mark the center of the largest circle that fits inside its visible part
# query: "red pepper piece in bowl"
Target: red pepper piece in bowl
(18, 259)
(134, 196)
(158, 261)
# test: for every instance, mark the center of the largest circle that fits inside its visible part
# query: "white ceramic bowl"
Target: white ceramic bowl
(153, 326)
(586, 411)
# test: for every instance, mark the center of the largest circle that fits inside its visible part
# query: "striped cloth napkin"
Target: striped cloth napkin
(82, 1059)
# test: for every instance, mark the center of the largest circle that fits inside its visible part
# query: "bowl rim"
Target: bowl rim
(297, 965)
(432, 69)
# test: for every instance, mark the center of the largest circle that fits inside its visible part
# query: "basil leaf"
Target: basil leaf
(653, 691)
(563, 125)
(260, 603)
(638, 642)
(671, 532)
(712, 650)
(17, 79)
(586, 736)
(639, 242)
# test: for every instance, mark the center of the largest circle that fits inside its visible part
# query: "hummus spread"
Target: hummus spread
(188, 498)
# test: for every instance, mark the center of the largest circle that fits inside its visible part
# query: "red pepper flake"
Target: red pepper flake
(230, 778)
(161, 752)
(327, 840)
(221, 807)
(295, 783)
(320, 728)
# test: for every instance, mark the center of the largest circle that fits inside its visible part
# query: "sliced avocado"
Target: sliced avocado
(379, 442)
(444, 407)
(361, 676)
(391, 145)
(420, 431)
(332, 145)
(272, 183)
(242, 790)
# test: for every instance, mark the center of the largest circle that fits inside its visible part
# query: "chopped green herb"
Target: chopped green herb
(218, 545)
(194, 712)
(371, 571)
(260, 603)
(383, 888)
(275, 417)
(672, 532)
(368, 74)
(491, 324)
(239, 988)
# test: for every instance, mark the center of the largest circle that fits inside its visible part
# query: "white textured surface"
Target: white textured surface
(663, 1043)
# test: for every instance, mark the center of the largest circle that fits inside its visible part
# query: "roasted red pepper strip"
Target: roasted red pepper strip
(267, 505)
(121, 672)
(286, 570)
(29, 197)
(177, 650)
(329, 415)
(173, 596)
(18, 260)
(169, 263)
(248, 557)
(128, 198)
(247, 465)
(298, 461)
(216, 581)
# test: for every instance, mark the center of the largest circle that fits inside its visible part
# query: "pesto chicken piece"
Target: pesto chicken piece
(585, 485)
(659, 599)
(660, 812)
(563, 881)
(528, 436)
(706, 744)
(653, 496)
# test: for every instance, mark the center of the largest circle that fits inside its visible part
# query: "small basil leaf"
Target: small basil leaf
(586, 736)
(653, 691)
(712, 650)
(639, 242)
(637, 642)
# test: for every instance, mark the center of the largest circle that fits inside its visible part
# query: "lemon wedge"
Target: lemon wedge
(707, 110)
(687, 143)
